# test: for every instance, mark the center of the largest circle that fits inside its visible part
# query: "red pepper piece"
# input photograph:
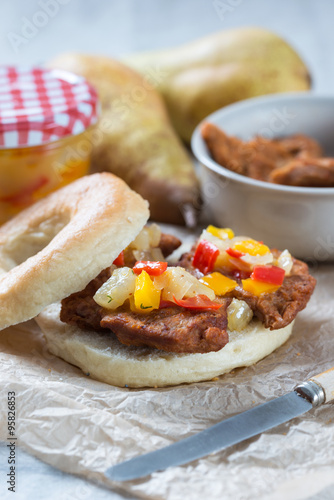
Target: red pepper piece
(239, 274)
(205, 256)
(234, 253)
(199, 302)
(153, 268)
(166, 303)
(268, 274)
(119, 261)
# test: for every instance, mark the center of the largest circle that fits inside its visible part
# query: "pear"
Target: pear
(209, 73)
(134, 138)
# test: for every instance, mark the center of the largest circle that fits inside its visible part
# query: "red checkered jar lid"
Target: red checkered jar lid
(39, 105)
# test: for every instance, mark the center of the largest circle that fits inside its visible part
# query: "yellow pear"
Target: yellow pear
(209, 73)
(134, 138)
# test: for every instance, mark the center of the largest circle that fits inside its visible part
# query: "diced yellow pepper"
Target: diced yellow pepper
(219, 283)
(146, 295)
(252, 247)
(132, 304)
(222, 233)
(223, 261)
(258, 287)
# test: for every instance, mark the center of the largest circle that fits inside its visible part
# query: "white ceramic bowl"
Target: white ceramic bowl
(298, 218)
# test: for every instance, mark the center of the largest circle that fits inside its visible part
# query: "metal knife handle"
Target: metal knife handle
(318, 389)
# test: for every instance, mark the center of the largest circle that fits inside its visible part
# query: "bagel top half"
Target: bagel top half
(56, 246)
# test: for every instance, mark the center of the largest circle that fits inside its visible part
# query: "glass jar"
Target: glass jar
(46, 123)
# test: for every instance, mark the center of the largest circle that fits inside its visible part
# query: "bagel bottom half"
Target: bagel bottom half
(106, 359)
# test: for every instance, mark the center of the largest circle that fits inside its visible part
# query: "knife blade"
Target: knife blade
(312, 393)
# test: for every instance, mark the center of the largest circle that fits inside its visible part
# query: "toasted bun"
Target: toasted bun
(106, 359)
(56, 246)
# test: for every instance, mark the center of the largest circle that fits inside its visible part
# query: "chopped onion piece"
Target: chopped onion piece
(221, 244)
(239, 314)
(175, 281)
(285, 261)
(258, 260)
(154, 235)
(156, 254)
(147, 238)
(119, 287)
(151, 254)
(142, 240)
(142, 255)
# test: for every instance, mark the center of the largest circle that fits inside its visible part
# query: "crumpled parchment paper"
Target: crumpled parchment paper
(83, 427)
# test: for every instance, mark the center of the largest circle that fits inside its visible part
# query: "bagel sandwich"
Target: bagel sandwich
(229, 302)
(54, 247)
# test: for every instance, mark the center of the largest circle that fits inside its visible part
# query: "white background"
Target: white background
(119, 27)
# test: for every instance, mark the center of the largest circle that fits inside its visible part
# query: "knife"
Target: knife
(310, 394)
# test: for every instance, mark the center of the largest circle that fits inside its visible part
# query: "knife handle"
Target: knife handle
(326, 382)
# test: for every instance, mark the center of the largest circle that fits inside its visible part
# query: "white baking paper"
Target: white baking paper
(83, 427)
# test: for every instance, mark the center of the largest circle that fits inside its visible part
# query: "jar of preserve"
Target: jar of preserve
(46, 123)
